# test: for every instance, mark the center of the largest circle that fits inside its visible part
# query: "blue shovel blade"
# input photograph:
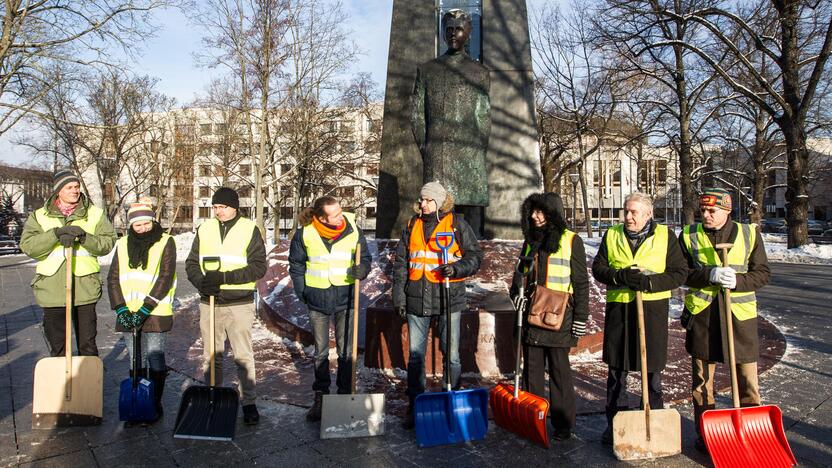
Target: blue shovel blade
(451, 417)
(136, 403)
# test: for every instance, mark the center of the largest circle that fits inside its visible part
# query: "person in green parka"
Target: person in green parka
(68, 220)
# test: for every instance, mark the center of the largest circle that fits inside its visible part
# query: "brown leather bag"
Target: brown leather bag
(548, 307)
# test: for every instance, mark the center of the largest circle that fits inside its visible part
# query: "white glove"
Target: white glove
(724, 276)
(520, 303)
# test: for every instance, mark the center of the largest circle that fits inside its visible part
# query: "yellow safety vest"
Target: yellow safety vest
(743, 304)
(136, 283)
(84, 263)
(329, 267)
(232, 250)
(651, 257)
(558, 265)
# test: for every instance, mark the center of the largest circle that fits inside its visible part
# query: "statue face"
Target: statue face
(457, 33)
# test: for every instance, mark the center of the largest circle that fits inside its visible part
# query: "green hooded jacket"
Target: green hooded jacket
(37, 243)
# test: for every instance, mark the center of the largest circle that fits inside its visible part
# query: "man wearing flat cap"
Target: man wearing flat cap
(68, 221)
(704, 314)
(227, 257)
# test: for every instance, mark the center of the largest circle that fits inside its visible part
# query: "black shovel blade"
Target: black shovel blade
(207, 413)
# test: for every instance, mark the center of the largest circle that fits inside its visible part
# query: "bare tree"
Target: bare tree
(38, 36)
(799, 49)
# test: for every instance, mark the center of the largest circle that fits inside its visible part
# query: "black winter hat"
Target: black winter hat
(226, 196)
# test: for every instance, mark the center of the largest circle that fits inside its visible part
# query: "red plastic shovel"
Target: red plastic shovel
(752, 437)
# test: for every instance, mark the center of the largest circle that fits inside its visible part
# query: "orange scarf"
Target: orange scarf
(327, 232)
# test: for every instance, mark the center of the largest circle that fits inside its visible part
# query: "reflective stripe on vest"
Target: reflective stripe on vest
(328, 267)
(425, 256)
(703, 253)
(136, 283)
(558, 265)
(84, 262)
(232, 250)
(651, 257)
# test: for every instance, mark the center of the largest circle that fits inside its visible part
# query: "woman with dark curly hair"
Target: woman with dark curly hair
(561, 266)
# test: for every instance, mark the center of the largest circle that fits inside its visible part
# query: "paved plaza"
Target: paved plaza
(797, 302)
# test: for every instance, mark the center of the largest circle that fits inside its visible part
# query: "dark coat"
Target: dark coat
(334, 298)
(422, 297)
(705, 339)
(621, 320)
(253, 271)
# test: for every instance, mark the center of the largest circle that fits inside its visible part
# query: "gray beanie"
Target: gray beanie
(61, 178)
(434, 191)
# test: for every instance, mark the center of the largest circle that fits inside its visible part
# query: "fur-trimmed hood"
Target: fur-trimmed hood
(446, 207)
(552, 207)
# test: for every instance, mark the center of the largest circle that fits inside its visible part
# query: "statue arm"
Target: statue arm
(417, 116)
(484, 111)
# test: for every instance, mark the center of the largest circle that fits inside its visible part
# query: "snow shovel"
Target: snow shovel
(646, 433)
(523, 413)
(208, 413)
(68, 390)
(136, 402)
(752, 436)
(354, 415)
(450, 417)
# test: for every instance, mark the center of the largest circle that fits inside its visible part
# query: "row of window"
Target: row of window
(245, 170)
(205, 212)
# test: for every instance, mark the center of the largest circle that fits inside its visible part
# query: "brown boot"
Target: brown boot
(314, 413)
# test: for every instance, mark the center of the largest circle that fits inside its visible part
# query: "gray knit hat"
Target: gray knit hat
(61, 178)
(434, 191)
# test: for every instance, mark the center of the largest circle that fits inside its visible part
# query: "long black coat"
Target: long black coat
(705, 340)
(621, 320)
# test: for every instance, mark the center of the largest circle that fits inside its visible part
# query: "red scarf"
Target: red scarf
(65, 209)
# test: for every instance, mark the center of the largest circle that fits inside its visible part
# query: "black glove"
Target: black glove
(211, 283)
(70, 232)
(358, 272)
(402, 311)
(520, 302)
(687, 320)
(66, 240)
(633, 279)
(447, 270)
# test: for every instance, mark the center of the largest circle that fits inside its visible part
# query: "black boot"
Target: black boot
(158, 378)
(314, 413)
(409, 416)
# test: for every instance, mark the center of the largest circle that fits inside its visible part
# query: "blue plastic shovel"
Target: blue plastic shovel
(136, 397)
(450, 417)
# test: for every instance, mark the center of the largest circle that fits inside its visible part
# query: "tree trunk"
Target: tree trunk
(690, 203)
(758, 183)
(797, 197)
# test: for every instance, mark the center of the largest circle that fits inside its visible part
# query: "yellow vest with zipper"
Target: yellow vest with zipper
(651, 257)
(328, 267)
(232, 250)
(84, 263)
(136, 283)
(558, 265)
(743, 304)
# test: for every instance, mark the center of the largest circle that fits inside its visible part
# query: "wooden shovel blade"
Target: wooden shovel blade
(50, 405)
(358, 415)
(629, 434)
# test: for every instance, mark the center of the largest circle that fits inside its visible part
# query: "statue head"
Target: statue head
(456, 25)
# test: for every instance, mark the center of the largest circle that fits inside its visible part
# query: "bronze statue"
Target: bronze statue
(451, 120)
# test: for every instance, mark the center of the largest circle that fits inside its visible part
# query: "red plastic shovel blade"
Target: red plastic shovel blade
(524, 415)
(751, 437)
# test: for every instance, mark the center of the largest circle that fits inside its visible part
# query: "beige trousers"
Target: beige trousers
(703, 386)
(233, 322)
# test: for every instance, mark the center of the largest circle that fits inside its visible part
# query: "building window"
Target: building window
(371, 212)
(245, 211)
(204, 191)
(220, 128)
(205, 129)
(286, 212)
(245, 170)
(185, 214)
(284, 168)
(204, 170)
(204, 212)
(244, 192)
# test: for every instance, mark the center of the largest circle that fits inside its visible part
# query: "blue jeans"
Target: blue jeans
(320, 330)
(418, 332)
(153, 350)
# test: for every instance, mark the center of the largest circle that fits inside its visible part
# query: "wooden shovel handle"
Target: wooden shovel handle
(68, 323)
(356, 293)
(642, 350)
(211, 339)
(729, 330)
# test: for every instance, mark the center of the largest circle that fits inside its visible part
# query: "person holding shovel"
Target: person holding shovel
(323, 272)
(418, 280)
(561, 266)
(704, 313)
(141, 284)
(638, 255)
(227, 257)
(68, 220)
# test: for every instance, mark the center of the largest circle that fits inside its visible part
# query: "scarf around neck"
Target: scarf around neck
(328, 231)
(138, 245)
(640, 235)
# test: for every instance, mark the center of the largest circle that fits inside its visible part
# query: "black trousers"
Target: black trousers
(561, 386)
(84, 322)
(617, 392)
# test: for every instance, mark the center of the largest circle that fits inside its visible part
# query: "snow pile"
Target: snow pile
(183, 248)
(809, 253)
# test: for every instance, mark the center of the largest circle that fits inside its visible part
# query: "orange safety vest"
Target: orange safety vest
(426, 256)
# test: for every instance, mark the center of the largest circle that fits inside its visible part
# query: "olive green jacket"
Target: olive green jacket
(37, 243)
